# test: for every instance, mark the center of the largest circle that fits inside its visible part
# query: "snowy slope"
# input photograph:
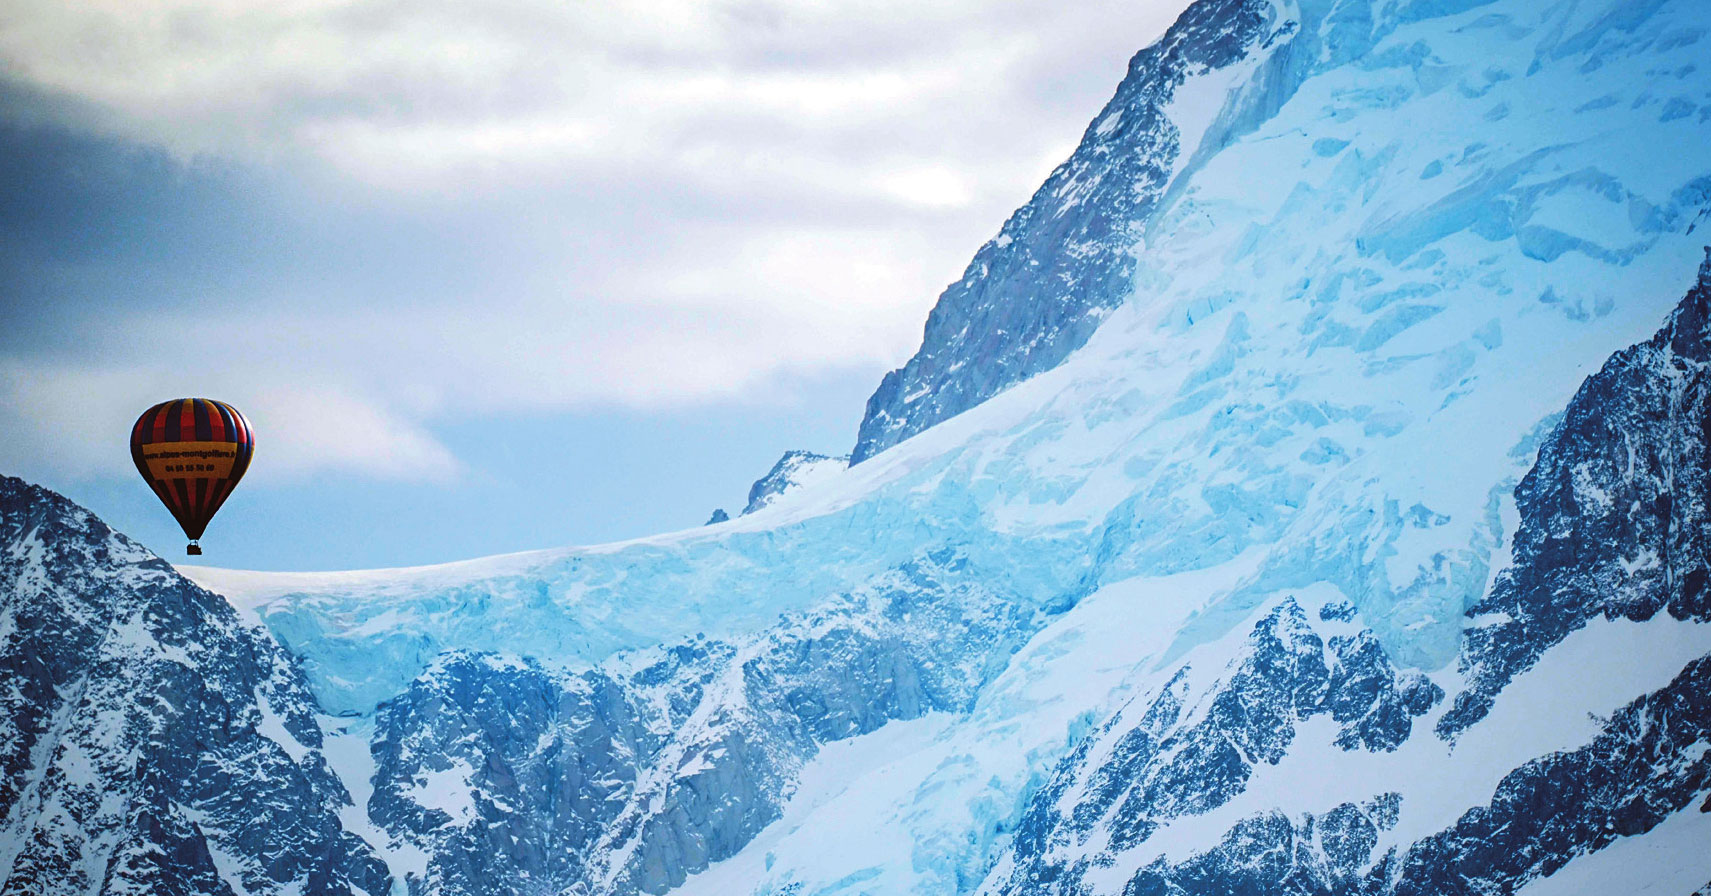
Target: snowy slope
(1387, 245)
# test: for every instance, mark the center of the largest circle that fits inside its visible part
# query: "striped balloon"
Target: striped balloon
(192, 452)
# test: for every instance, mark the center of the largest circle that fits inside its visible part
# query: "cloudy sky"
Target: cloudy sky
(506, 275)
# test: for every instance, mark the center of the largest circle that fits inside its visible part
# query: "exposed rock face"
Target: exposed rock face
(1650, 761)
(1615, 516)
(1191, 748)
(1647, 764)
(150, 742)
(1037, 291)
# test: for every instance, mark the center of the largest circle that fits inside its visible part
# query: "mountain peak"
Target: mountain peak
(795, 469)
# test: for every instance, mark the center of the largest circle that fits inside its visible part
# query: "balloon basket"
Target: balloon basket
(193, 549)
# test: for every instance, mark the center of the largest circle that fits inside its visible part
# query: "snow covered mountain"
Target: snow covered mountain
(1307, 494)
(151, 741)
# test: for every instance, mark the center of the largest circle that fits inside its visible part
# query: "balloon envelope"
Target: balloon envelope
(192, 452)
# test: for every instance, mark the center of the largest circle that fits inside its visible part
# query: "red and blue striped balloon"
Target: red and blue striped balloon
(192, 452)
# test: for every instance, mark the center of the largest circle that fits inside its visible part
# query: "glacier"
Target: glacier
(1304, 492)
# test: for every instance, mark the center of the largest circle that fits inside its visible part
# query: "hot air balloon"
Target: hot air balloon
(192, 452)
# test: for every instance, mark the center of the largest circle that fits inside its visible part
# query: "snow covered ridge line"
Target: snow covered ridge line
(149, 741)
(795, 470)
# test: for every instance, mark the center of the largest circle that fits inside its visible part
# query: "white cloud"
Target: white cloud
(312, 430)
(73, 421)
